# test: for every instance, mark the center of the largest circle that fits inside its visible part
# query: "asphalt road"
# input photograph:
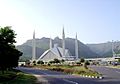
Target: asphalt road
(108, 73)
(112, 76)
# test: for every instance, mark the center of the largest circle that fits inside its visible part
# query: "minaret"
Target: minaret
(63, 42)
(76, 47)
(50, 43)
(33, 47)
(113, 53)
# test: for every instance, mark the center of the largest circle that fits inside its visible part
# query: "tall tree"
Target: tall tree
(9, 55)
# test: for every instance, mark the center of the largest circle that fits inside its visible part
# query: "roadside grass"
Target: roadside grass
(17, 77)
(78, 70)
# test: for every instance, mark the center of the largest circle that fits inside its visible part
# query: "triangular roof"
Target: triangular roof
(58, 51)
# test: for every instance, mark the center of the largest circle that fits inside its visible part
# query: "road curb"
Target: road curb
(88, 76)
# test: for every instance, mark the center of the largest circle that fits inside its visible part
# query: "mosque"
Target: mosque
(56, 52)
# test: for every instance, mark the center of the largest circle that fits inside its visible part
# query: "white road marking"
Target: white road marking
(70, 81)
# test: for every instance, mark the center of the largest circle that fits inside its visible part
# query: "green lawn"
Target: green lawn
(13, 77)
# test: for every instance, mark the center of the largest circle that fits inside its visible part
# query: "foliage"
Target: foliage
(57, 69)
(34, 62)
(62, 60)
(9, 55)
(80, 70)
(40, 62)
(82, 60)
(51, 62)
(118, 60)
(27, 62)
(87, 62)
(78, 63)
(18, 76)
(7, 76)
(56, 61)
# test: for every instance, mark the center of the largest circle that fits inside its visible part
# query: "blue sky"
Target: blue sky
(95, 21)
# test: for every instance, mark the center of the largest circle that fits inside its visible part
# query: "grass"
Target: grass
(16, 77)
(79, 70)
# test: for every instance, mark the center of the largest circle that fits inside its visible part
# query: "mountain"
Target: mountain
(27, 51)
(43, 44)
(105, 49)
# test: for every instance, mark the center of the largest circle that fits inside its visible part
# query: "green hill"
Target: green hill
(105, 49)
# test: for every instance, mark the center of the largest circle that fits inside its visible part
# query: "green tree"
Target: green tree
(86, 63)
(51, 62)
(119, 60)
(62, 60)
(56, 61)
(40, 62)
(9, 55)
(82, 60)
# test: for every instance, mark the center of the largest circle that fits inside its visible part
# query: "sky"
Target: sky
(95, 21)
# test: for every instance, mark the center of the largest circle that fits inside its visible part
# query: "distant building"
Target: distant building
(55, 52)
(21, 63)
(58, 52)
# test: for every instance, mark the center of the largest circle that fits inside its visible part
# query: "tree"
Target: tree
(56, 61)
(51, 62)
(119, 60)
(86, 64)
(62, 60)
(40, 62)
(82, 60)
(9, 55)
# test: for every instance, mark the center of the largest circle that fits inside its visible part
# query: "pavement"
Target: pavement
(111, 76)
(107, 72)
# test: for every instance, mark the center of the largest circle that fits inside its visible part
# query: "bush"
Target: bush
(56, 61)
(82, 60)
(48, 64)
(78, 63)
(58, 69)
(40, 62)
(69, 71)
(34, 62)
(87, 62)
(81, 72)
(9, 75)
(51, 62)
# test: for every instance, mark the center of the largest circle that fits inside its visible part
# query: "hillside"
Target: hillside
(105, 49)
(43, 44)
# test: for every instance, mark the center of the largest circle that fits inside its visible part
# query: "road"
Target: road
(109, 73)
(112, 76)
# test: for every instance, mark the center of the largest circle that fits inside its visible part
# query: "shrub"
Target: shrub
(80, 72)
(48, 64)
(82, 60)
(51, 62)
(78, 63)
(87, 62)
(40, 62)
(56, 61)
(58, 69)
(69, 71)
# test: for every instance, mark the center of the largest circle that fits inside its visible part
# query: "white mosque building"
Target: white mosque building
(57, 52)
